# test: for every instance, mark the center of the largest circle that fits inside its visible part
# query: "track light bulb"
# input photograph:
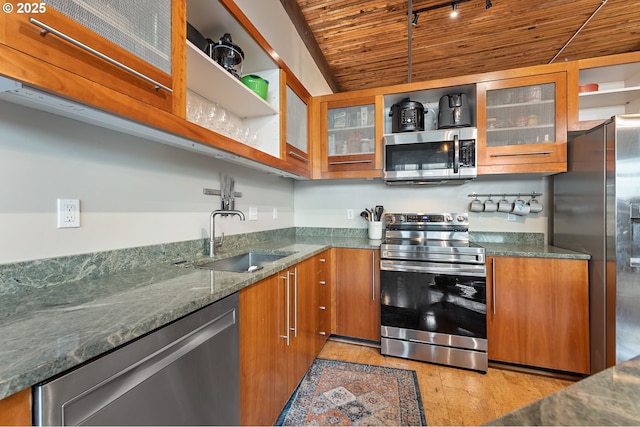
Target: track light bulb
(415, 19)
(488, 4)
(454, 10)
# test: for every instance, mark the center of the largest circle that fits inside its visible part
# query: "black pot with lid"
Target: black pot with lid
(407, 116)
(227, 54)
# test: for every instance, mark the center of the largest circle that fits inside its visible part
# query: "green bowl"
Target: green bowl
(257, 84)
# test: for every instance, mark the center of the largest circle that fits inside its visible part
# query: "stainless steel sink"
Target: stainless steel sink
(250, 261)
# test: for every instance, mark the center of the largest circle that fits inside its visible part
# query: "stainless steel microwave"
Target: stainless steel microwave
(435, 156)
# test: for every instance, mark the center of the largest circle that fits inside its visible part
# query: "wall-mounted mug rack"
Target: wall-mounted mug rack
(516, 207)
(497, 193)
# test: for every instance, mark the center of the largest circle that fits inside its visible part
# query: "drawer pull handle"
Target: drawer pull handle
(47, 29)
(298, 156)
(524, 153)
(351, 162)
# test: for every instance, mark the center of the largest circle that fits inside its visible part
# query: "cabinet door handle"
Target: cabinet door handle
(350, 162)
(322, 260)
(322, 282)
(47, 29)
(493, 285)
(323, 333)
(373, 276)
(322, 307)
(295, 301)
(287, 306)
(298, 156)
(523, 153)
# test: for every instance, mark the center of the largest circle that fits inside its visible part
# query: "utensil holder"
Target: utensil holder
(375, 230)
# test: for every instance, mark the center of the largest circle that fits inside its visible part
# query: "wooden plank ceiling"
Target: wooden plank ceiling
(364, 44)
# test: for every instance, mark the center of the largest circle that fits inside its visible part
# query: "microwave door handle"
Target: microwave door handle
(456, 154)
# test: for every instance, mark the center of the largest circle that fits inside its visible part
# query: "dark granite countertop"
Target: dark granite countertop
(610, 397)
(48, 330)
(528, 245)
(530, 251)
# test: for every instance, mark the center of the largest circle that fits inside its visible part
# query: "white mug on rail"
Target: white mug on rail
(490, 205)
(476, 205)
(504, 205)
(534, 205)
(520, 208)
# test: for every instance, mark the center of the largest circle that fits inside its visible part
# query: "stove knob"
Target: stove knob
(448, 218)
(461, 218)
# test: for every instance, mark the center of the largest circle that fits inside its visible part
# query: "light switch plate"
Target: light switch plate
(68, 213)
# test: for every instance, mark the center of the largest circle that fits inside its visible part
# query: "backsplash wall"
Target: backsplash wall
(132, 192)
(325, 204)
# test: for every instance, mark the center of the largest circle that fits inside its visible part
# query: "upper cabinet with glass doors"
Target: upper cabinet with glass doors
(350, 135)
(522, 125)
(295, 146)
(123, 46)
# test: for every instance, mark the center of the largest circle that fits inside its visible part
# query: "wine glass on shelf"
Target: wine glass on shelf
(212, 114)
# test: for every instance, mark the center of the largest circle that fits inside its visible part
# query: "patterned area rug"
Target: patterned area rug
(343, 393)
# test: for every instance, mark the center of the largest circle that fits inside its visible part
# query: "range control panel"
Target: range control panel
(426, 219)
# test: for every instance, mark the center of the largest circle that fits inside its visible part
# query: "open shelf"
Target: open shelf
(208, 79)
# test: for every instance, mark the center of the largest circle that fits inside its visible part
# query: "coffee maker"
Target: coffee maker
(454, 111)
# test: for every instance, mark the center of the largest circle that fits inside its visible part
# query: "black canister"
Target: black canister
(407, 116)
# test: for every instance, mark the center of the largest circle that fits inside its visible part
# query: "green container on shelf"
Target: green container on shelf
(256, 84)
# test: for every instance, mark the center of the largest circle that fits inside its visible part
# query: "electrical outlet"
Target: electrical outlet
(275, 213)
(349, 213)
(68, 213)
(253, 214)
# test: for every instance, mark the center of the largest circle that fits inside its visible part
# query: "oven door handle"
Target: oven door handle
(476, 270)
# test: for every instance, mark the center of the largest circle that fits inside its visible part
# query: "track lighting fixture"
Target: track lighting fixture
(454, 10)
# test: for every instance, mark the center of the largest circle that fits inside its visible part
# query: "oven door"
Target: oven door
(434, 303)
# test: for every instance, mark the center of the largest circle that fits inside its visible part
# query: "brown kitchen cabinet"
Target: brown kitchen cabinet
(323, 279)
(617, 92)
(263, 375)
(358, 293)
(60, 57)
(295, 147)
(350, 135)
(279, 325)
(538, 312)
(522, 124)
(15, 410)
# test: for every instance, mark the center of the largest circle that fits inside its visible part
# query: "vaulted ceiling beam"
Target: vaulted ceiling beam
(298, 20)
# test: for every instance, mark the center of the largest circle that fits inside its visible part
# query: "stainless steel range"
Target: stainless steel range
(433, 291)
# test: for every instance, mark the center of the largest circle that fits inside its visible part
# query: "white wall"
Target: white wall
(325, 204)
(133, 192)
(273, 23)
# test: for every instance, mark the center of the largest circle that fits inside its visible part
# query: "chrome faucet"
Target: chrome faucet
(212, 237)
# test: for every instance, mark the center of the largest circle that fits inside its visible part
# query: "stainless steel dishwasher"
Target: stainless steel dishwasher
(186, 373)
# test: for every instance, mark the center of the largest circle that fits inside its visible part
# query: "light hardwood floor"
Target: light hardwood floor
(452, 396)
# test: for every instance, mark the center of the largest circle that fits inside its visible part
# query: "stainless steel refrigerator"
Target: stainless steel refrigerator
(597, 211)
